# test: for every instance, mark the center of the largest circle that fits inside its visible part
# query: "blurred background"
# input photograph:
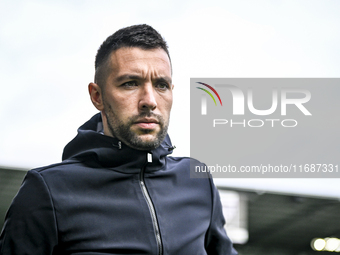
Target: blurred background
(47, 51)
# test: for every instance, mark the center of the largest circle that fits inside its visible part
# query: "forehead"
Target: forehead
(134, 59)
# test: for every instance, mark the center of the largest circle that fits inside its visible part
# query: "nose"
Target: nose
(147, 100)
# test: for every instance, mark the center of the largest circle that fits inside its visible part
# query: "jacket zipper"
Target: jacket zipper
(151, 207)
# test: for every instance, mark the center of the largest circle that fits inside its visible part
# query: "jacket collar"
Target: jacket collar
(92, 147)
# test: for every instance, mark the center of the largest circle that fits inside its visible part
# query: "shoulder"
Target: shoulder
(184, 160)
(197, 168)
(54, 177)
(191, 169)
(66, 164)
(38, 177)
(66, 168)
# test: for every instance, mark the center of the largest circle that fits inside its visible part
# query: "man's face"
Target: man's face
(137, 97)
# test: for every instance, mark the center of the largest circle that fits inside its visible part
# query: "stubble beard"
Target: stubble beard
(123, 131)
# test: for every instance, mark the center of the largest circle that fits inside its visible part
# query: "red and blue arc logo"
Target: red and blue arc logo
(212, 89)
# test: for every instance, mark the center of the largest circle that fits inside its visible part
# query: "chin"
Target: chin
(147, 138)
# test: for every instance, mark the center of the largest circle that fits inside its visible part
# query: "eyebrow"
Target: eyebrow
(137, 77)
(127, 77)
(164, 79)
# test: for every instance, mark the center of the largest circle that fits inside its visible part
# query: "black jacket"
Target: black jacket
(106, 198)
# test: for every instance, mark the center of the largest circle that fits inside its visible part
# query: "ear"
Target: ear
(96, 96)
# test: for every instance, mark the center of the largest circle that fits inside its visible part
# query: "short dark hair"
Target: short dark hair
(141, 36)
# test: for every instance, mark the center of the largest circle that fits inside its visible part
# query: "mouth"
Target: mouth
(147, 123)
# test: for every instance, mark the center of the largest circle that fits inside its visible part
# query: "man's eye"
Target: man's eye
(129, 84)
(163, 86)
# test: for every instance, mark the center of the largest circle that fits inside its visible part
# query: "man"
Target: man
(116, 190)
